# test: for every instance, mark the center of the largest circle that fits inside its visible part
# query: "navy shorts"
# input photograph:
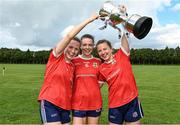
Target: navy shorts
(51, 113)
(130, 112)
(86, 113)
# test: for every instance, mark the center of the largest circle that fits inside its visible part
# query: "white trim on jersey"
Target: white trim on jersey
(111, 61)
(80, 56)
(85, 75)
(124, 51)
(113, 74)
(101, 82)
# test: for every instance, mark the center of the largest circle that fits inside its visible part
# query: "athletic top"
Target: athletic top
(86, 90)
(120, 79)
(57, 86)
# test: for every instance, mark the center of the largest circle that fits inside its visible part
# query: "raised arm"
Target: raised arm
(125, 44)
(124, 41)
(66, 40)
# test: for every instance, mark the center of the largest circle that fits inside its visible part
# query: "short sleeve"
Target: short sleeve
(120, 55)
(53, 59)
(101, 78)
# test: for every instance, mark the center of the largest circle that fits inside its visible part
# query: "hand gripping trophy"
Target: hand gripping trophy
(112, 15)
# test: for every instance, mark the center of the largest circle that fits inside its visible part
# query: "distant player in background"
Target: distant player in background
(86, 99)
(3, 71)
(56, 92)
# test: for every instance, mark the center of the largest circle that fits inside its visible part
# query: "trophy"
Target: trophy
(137, 25)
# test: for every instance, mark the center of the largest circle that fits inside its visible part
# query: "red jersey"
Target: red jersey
(121, 82)
(57, 86)
(86, 90)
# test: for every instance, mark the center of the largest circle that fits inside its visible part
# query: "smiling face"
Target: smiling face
(87, 47)
(104, 51)
(72, 50)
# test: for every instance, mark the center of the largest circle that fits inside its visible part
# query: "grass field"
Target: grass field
(159, 92)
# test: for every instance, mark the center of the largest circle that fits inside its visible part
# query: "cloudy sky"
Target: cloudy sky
(39, 24)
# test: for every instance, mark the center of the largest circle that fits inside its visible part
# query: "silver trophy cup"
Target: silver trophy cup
(112, 15)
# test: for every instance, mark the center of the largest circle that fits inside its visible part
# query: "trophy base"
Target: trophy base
(142, 27)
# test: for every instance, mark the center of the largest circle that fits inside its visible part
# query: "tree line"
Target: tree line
(138, 56)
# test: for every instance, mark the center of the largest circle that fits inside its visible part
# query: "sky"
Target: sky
(40, 24)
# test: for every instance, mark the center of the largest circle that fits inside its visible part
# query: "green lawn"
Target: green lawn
(159, 92)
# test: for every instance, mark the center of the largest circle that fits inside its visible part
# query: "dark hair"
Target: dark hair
(104, 41)
(77, 39)
(87, 36)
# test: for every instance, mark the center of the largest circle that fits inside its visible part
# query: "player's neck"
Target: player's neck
(86, 56)
(67, 60)
(111, 60)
